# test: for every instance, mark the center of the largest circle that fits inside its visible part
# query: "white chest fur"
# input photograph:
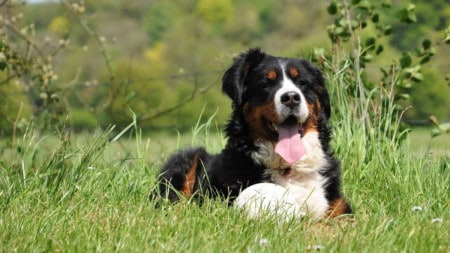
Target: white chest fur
(302, 179)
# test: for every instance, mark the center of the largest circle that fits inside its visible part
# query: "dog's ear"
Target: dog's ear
(233, 81)
(319, 87)
(322, 92)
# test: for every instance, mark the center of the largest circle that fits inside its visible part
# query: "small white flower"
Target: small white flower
(437, 220)
(263, 242)
(315, 247)
(416, 208)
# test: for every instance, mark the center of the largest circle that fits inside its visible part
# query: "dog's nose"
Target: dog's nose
(290, 99)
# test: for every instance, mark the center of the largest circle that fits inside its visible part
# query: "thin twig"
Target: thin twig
(31, 43)
(15, 125)
(160, 113)
(356, 54)
(99, 40)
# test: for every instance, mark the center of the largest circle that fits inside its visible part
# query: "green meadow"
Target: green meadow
(89, 193)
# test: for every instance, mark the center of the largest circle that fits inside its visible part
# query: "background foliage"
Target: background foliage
(87, 64)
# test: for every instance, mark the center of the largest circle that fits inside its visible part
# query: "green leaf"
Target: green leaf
(375, 17)
(417, 76)
(387, 29)
(435, 132)
(332, 8)
(425, 59)
(426, 44)
(367, 57)
(405, 60)
(447, 35)
(385, 71)
(342, 22)
(386, 3)
(419, 52)
(407, 14)
(413, 70)
(363, 24)
(402, 96)
(339, 30)
(414, 73)
(364, 5)
(355, 2)
(370, 42)
(379, 50)
(405, 84)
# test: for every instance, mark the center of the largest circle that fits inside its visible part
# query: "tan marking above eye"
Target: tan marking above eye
(272, 75)
(293, 72)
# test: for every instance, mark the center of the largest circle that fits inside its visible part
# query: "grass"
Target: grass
(88, 193)
(102, 206)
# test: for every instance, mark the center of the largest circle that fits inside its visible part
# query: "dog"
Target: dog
(278, 132)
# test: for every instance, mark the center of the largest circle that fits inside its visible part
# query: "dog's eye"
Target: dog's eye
(294, 72)
(272, 75)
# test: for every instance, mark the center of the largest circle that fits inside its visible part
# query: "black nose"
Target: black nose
(290, 99)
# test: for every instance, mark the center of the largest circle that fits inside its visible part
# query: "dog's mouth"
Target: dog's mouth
(289, 144)
(292, 123)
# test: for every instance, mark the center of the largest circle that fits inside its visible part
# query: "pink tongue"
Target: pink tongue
(290, 146)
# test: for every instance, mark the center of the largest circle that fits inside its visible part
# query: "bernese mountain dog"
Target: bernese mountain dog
(277, 133)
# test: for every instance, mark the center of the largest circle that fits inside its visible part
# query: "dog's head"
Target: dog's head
(280, 98)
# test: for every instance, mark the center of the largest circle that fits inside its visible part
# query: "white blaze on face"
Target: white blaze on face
(290, 146)
(288, 86)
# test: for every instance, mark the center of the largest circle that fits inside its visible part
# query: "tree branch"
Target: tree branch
(159, 113)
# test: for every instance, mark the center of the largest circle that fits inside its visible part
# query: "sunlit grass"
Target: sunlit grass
(89, 192)
(400, 203)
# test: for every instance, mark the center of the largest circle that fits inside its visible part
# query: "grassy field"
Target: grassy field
(86, 194)
(89, 193)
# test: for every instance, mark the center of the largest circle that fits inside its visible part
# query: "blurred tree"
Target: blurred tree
(121, 54)
(430, 97)
(15, 106)
(59, 25)
(159, 18)
(431, 17)
(140, 88)
(215, 11)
